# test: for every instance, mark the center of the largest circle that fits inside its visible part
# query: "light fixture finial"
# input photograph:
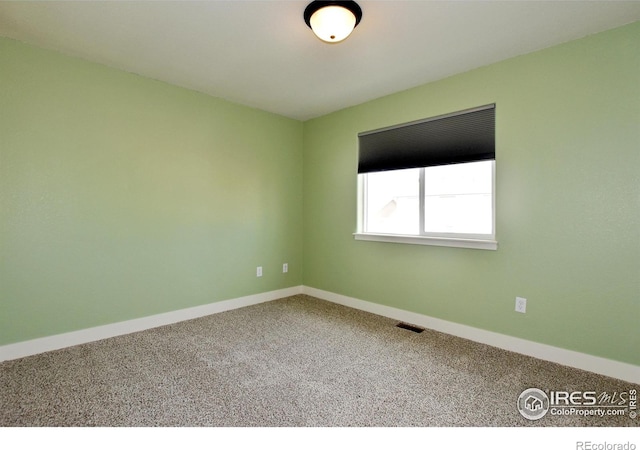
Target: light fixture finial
(332, 21)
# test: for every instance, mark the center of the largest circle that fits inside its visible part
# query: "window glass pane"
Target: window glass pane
(392, 203)
(458, 198)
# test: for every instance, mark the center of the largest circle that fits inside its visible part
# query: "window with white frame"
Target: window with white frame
(430, 182)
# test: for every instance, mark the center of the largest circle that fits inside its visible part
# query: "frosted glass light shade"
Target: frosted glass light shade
(331, 20)
(333, 23)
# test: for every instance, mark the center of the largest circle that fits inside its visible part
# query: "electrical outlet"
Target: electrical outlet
(285, 268)
(259, 271)
(521, 305)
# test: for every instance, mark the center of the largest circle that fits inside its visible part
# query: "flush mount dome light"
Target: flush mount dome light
(332, 21)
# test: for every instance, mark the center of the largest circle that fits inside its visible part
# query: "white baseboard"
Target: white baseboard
(602, 366)
(45, 344)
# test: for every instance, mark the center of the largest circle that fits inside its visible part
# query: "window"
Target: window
(445, 196)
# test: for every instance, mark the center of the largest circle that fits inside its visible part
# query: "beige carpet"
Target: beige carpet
(297, 361)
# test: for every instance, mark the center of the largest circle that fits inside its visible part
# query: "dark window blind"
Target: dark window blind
(460, 137)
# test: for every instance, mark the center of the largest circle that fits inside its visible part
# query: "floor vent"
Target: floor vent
(406, 326)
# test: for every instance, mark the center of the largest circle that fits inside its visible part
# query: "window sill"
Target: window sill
(424, 240)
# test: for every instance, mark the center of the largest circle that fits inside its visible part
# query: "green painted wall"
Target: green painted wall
(122, 197)
(568, 202)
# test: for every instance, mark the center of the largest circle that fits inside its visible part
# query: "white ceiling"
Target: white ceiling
(261, 53)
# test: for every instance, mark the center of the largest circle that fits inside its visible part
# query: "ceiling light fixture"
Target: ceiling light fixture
(332, 21)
